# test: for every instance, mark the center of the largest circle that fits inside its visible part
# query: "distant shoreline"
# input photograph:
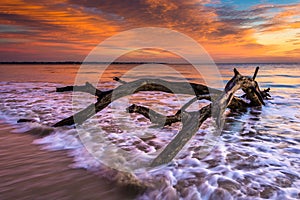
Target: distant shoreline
(124, 63)
(78, 63)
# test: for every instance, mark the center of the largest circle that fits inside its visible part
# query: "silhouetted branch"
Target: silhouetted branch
(191, 121)
(106, 97)
(255, 73)
(128, 88)
(88, 88)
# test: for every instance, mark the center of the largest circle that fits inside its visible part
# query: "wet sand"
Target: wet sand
(27, 172)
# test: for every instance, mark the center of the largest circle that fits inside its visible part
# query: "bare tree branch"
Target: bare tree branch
(128, 88)
(88, 88)
(106, 97)
(191, 121)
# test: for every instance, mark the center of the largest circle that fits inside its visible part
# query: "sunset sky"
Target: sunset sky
(230, 30)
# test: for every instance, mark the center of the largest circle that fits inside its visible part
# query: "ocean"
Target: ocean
(257, 156)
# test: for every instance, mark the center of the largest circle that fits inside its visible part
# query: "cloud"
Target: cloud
(295, 52)
(50, 25)
(15, 40)
(279, 17)
(5, 28)
(78, 26)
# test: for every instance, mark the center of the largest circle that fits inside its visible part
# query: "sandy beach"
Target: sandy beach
(27, 172)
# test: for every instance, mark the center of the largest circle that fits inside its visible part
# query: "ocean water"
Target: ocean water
(256, 157)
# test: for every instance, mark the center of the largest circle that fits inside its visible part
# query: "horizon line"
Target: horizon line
(134, 62)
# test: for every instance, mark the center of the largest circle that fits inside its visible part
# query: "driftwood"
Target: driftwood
(106, 97)
(191, 120)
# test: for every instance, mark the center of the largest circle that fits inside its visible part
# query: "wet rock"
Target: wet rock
(185, 183)
(136, 142)
(127, 148)
(249, 163)
(255, 118)
(220, 194)
(245, 180)
(121, 140)
(147, 137)
(283, 182)
(212, 163)
(169, 193)
(290, 174)
(251, 159)
(267, 192)
(143, 147)
(184, 192)
(252, 192)
(200, 175)
(229, 185)
(231, 157)
(112, 129)
(156, 145)
(250, 132)
(129, 181)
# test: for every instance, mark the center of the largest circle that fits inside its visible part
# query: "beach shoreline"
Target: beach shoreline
(33, 173)
(257, 155)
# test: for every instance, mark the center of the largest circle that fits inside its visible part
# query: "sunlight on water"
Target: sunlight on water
(258, 155)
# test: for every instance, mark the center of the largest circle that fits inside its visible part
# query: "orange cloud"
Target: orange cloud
(51, 28)
(70, 29)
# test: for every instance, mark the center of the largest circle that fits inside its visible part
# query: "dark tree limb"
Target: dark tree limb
(119, 80)
(237, 103)
(106, 97)
(255, 73)
(160, 119)
(200, 97)
(128, 88)
(190, 124)
(193, 120)
(88, 88)
(154, 116)
(265, 93)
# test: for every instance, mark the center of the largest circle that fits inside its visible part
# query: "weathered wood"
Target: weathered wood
(88, 88)
(255, 73)
(26, 120)
(128, 88)
(154, 116)
(236, 103)
(265, 93)
(160, 119)
(193, 120)
(106, 97)
(190, 125)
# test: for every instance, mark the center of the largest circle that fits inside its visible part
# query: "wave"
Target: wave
(247, 161)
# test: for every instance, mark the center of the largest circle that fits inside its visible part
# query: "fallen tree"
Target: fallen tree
(191, 121)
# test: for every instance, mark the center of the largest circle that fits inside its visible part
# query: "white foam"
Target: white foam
(254, 151)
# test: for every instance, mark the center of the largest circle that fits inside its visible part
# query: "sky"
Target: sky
(229, 30)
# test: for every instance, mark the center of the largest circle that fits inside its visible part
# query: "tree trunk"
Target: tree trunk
(191, 121)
